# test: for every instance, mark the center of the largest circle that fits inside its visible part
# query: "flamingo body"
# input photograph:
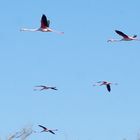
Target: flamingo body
(124, 37)
(105, 83)
(46, 87)
(44, 27)
(47, 130)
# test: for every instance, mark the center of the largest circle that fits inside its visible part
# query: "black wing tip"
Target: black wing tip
(41, 126)
(51, 132)
(43, 15)
(55, 88)
(40, 86)
(108, 88)
(117, 31)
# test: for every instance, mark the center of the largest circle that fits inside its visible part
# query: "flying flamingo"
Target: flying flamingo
(45, 87)
(47, 130)
(125, 37)
(44, 26)
(107, 84)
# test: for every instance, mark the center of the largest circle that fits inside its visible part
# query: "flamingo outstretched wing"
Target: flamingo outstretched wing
(54, 88)
(41, 86)
(108, 87)
(100, 82)
(42, 127)
(51, 131)
(44, 22)
(121, 34)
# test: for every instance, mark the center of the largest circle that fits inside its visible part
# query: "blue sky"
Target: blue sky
(72, 62)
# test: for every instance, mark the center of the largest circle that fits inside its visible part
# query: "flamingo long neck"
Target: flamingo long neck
(30, 30)
(114, 40)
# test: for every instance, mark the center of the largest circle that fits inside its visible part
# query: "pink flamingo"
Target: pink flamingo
(45, 87)
(44, 26)
(47, 130)
(125, 37)
(107, 84)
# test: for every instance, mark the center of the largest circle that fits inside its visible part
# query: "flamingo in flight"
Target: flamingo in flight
(125, 37)
(47, 130)
(107, 84)
(44, 26)
(46, 87)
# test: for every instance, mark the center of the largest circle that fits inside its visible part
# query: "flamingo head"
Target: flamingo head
(112, 40)
(134, 36)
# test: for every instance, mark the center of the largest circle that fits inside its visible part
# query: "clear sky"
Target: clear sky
(72, 62)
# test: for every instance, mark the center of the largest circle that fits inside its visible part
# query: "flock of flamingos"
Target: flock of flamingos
(45, 27)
